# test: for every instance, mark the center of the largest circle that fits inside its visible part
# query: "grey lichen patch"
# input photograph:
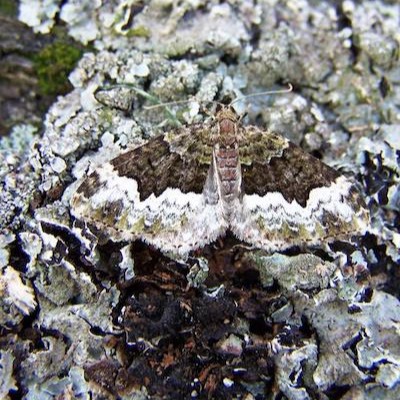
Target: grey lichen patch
(18, 188)
(6, 239)
(375, 31)
(17, 297)
(269, 62)
(7, 381)
(183, 80)
(296, 364)
(290, 116)
(120, 97)
(353, 335)
(217, 26)
(382, 51)
(55, 386)
(379, 160)
(159, 27)
(304, 272)
(209, 87)
(369, 327)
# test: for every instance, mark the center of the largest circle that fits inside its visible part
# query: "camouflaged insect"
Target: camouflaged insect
(186, 188)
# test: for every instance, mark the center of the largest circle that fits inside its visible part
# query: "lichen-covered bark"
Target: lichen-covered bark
(85, 317)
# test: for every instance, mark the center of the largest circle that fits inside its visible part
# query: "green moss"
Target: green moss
(8, 8)
(53, 65)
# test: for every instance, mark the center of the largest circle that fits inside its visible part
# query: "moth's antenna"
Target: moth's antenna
(172, 103)
(169, 103)
(288, 90)
(154, 99)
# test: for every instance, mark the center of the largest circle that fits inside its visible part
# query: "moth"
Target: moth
(187, 187)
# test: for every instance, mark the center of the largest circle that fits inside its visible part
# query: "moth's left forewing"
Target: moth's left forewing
(154, 193)
(291, 198)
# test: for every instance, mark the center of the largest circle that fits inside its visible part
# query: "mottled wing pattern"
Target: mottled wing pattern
(291, 198)
(154, 193)
(182, 190)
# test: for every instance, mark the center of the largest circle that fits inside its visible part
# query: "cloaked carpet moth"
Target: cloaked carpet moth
(187, 187)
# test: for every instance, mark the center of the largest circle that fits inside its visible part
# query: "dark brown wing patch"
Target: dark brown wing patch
(294, 174)
(155, 168)
(90, 185)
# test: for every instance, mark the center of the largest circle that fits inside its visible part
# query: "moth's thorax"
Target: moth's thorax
(227, 126)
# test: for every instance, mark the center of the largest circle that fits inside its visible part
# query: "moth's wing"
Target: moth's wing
(291, 198)
(155, 193)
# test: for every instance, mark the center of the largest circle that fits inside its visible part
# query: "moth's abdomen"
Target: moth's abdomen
(228, 167)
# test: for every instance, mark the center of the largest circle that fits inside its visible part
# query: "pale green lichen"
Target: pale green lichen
(139, 31)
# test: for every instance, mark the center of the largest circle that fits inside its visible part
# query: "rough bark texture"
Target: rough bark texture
(84, 317)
